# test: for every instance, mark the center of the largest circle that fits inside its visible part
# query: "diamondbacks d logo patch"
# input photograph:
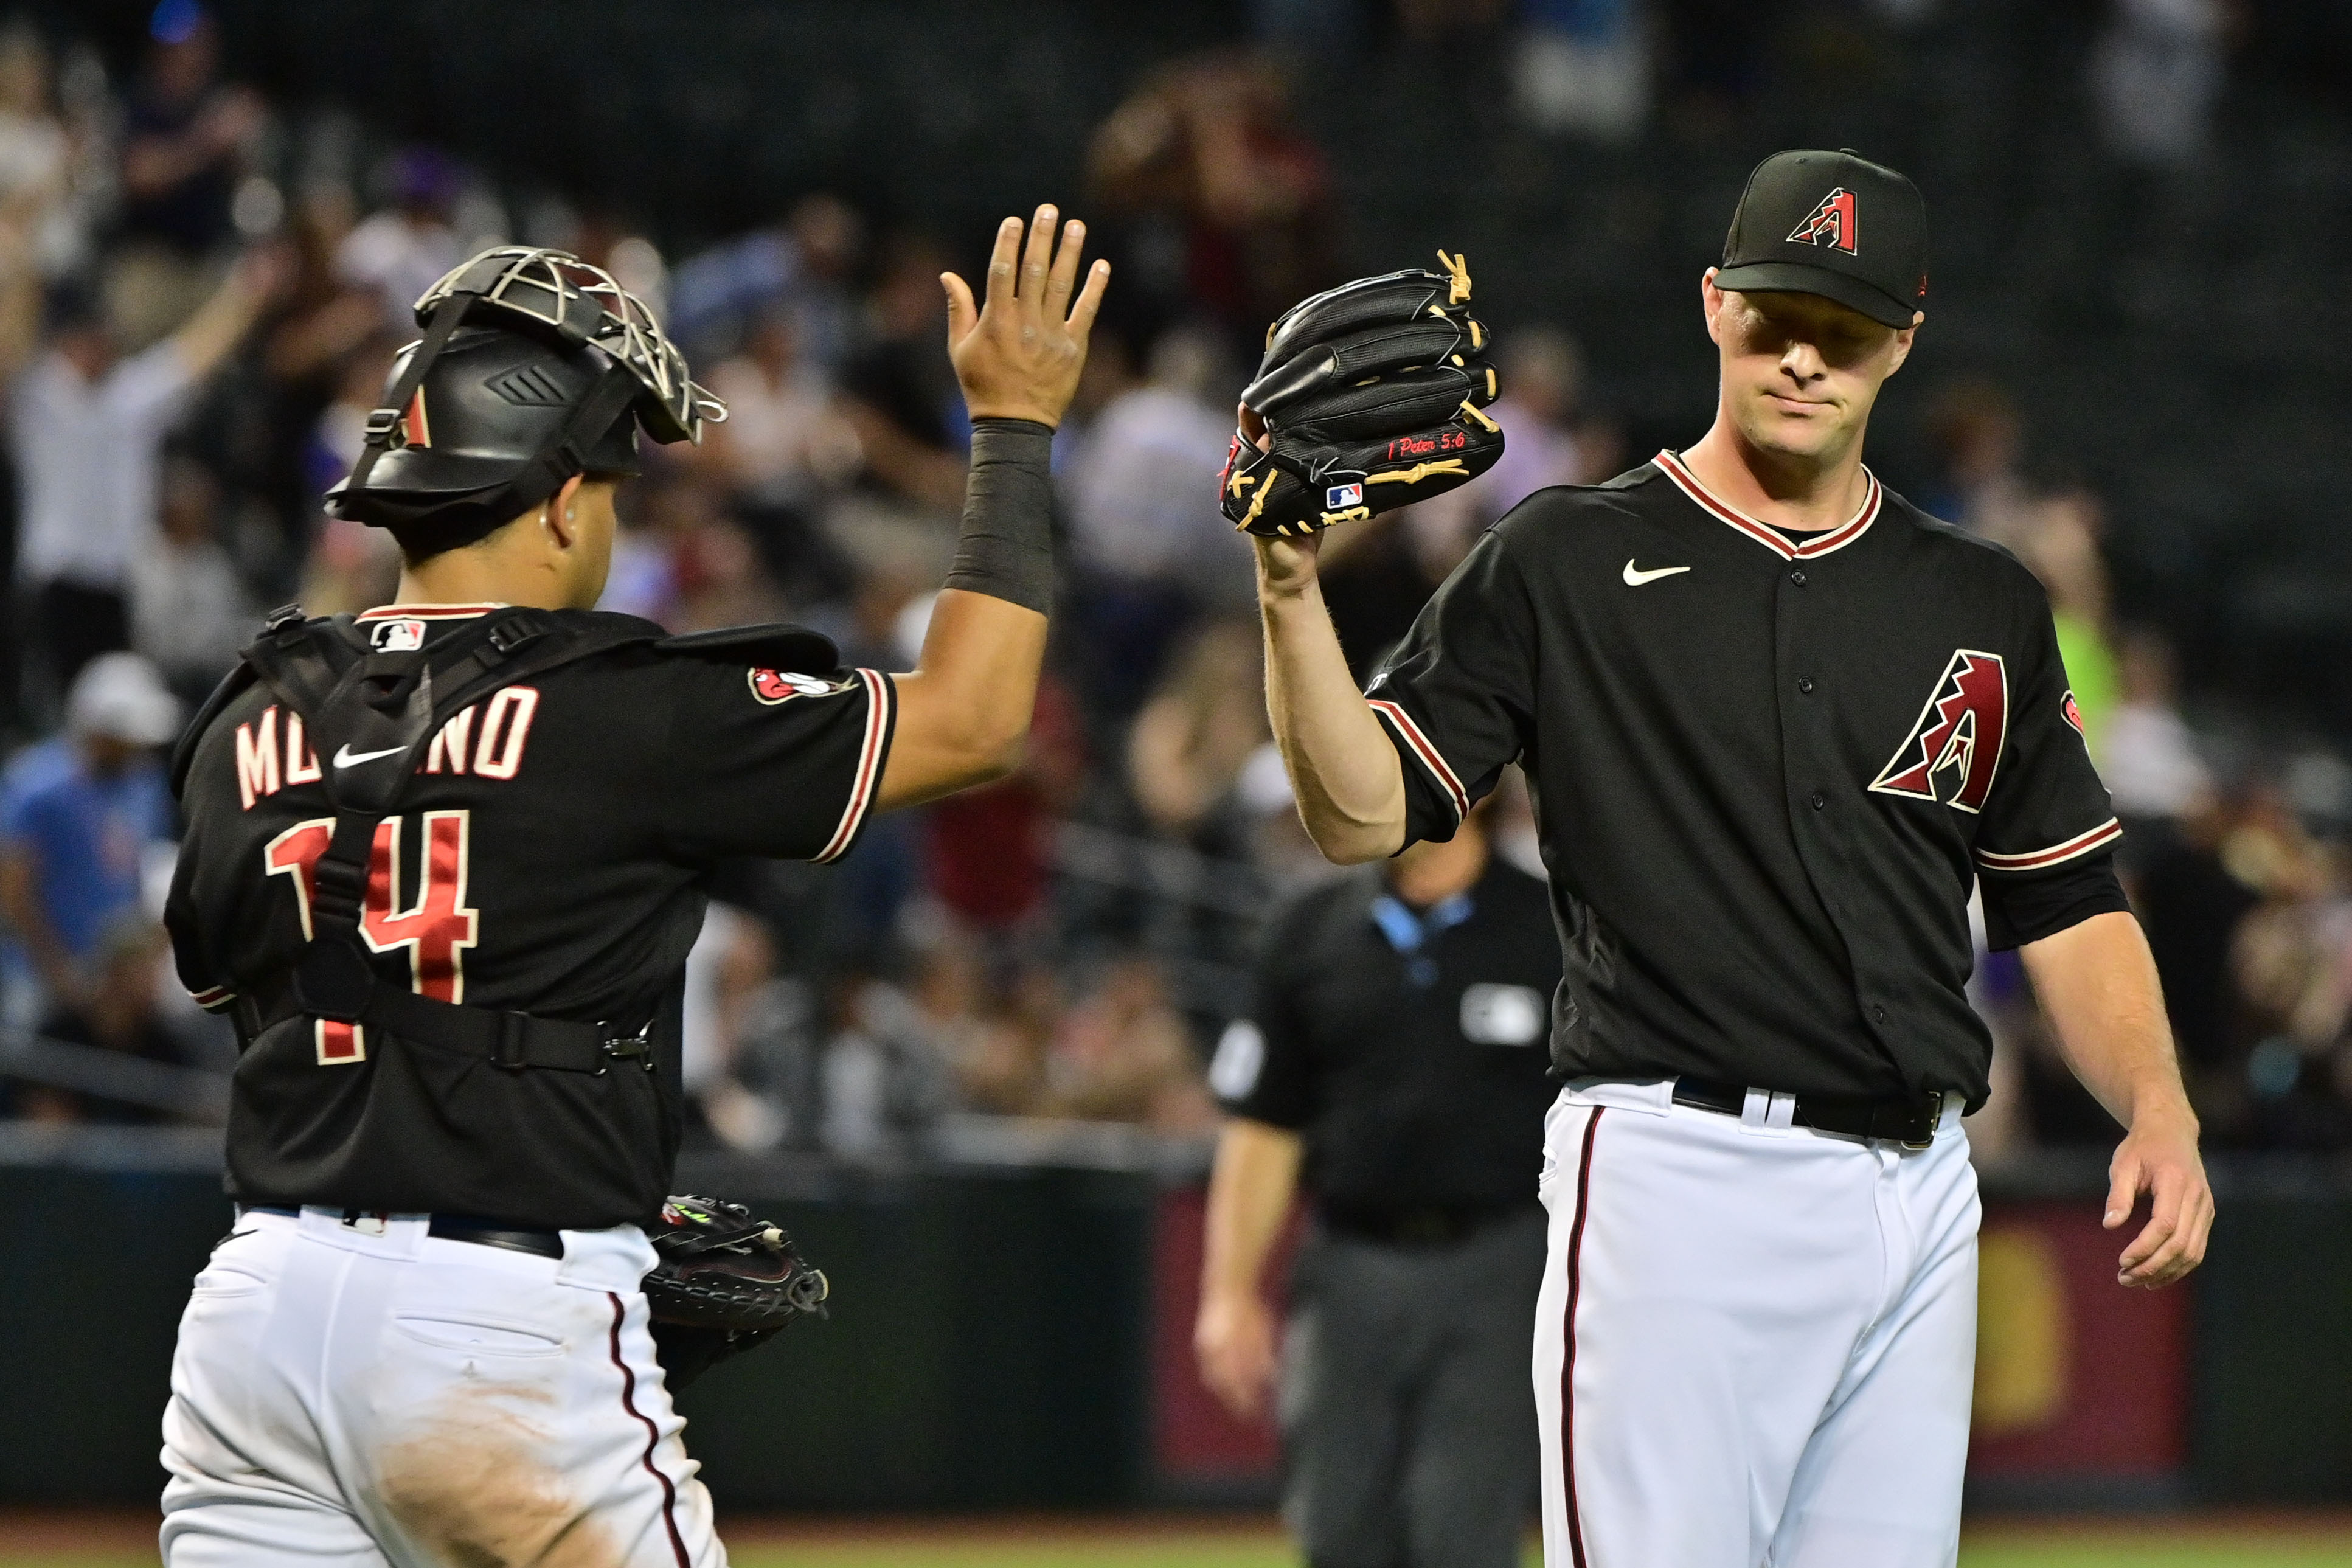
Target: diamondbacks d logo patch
(1830, 223)
(1954, 750)
(774, 686)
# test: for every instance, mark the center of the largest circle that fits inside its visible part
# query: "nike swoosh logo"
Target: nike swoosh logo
(1635, 579)
(347, 758)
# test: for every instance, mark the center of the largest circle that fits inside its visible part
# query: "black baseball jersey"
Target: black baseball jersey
(548, 858)
(1767, 772)
(1407, 1045)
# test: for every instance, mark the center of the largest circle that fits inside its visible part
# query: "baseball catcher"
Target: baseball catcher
(1370, 396)
(445, 860)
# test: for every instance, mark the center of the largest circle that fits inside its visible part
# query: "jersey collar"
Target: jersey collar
(1764, 534)
(426, 612)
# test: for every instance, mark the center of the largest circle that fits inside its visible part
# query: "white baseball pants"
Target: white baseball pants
(1755, 1343)
(365, 1395)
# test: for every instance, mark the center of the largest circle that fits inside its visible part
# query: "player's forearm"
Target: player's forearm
(964, 713)
(1250, 1189)
(2098, 984)
(1350, 785)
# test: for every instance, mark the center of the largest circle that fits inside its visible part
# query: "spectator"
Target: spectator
(992, 849)
(1191, 741)
(1152, 549)
(78, 817)
(87, 429)
(899, 395)
(783, 452)
(1976, 429)
(782, 446)
(190, 612)
(117, 1013)
(399, 253)
(351, 566)
(1205, 160)
(1545, 443)
(2147, 754)
(1122, 1054)
(2156, 72)
(885, 1078)
(800, 269)
(1583, 69)
(37, 236)
(188, 136)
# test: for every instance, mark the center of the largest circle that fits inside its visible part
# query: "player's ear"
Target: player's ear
(1710, 302)
(1903, 337)
(560, 514)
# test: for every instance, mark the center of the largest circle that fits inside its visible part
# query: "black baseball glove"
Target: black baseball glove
(1374, 395)
(725, 1282)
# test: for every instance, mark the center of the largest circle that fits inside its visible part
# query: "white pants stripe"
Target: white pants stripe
(1755, 1344)
(371, 1397)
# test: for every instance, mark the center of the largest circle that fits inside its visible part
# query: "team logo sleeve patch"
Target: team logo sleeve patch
(2073, 712)
(774, 686)
(1954, 749)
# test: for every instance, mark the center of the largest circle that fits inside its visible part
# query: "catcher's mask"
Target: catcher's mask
(534, 366)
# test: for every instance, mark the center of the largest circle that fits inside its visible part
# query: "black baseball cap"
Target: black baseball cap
(1832, 224)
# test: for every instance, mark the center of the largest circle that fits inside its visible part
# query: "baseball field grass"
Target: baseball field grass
(123, 1540)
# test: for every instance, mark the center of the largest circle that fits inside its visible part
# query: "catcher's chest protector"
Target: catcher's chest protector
(431, 1086)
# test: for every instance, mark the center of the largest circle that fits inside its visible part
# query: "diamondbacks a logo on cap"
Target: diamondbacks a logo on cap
(1831, 224)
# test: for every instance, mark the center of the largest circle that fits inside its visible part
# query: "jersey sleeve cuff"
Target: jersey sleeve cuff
(2075, 848)
(213, 998)
(873, 755)
(1444, 788)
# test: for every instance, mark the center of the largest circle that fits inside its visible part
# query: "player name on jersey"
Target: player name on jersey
(485, 739)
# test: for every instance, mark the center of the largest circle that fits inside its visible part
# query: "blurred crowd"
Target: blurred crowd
(200, 295)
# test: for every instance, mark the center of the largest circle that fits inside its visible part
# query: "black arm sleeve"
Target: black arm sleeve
(1006, 549)
(2023, 909)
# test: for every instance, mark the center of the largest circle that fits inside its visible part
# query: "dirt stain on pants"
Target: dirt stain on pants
(471, 1489)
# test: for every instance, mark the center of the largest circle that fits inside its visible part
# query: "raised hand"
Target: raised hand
(1018, 355)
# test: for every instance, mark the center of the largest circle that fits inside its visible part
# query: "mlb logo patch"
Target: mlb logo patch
(1342, 496)
(399, 637)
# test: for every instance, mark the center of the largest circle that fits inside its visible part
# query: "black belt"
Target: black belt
(1910, 1122)
(1413, 1225)
(455, 1227)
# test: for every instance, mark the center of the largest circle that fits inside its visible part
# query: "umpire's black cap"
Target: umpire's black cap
(1832, 224)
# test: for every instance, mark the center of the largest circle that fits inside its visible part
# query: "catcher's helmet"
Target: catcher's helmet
(534, 366)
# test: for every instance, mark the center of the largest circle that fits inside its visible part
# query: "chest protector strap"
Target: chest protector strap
(371, 713)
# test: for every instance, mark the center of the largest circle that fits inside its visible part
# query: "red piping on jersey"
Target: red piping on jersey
(1567, 1333)
(1764, 534)
(2035, 860)
(1429, 755)
(869, 764)
(653, 1437)
(212, 996)
(426, 612)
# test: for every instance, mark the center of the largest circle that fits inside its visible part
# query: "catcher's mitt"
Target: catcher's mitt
(1374, 393)
(725, 1282)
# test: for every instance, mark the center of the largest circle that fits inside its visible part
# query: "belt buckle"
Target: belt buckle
(1930, 1108)
(637, 1047)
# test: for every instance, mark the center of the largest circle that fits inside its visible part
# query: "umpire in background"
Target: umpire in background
(1396, 1065)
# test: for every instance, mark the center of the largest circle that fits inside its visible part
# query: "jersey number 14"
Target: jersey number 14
(437, 927)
